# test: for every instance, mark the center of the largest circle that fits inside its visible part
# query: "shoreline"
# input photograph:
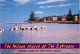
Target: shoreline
(40, 23)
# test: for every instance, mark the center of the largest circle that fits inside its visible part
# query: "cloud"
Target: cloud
(2, 0)
(50, 1)
(61, 5)
(39, 12)
(23, 1)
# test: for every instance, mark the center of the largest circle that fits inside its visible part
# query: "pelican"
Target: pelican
(43, 27)
(37, 28)
(22, 28)
(32, 28)
(1, 30)
(11, 29)
(16, 28)
(27, 27)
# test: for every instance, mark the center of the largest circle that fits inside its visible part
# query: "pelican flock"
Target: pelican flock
(26, 27)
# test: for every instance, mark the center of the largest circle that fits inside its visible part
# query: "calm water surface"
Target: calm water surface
(54, 33)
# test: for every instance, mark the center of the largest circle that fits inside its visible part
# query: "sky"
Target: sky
(19, 10)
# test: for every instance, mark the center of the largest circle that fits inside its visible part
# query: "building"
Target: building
(54, 18)
(44, 19)
(41, 19)
(59, 18)
(76, 17)
(37, 18)
(48, 18)
(63, 18)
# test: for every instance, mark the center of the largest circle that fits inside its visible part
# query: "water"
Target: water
(54, 33)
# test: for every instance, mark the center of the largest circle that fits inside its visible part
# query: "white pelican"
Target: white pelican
(32, 28)
(16, 28)
(1, 30)
(37, 27)
(11, 29)
(43, 27)
(22, 28)
(27, 27)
